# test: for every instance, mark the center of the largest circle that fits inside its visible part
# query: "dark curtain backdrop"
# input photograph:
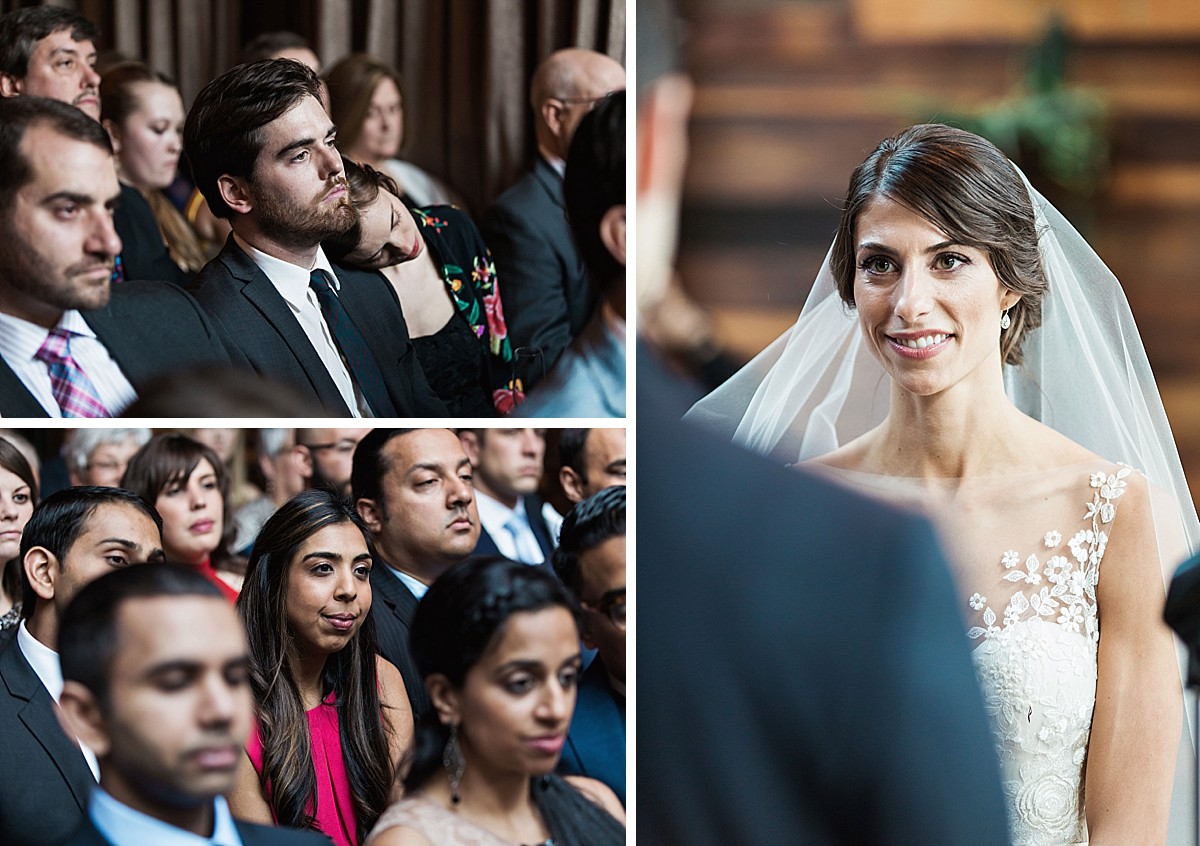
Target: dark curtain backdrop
(466, 63)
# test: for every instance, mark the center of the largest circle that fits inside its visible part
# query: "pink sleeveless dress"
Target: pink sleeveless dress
(334, 813)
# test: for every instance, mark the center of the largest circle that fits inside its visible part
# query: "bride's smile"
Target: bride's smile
(929, 308)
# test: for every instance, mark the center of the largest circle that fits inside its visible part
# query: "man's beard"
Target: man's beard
(304, 225)
(35, 283)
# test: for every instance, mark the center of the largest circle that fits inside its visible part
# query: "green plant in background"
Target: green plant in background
(1045, 126)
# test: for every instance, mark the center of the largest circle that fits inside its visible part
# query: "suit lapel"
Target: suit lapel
(547, 177)
(396, 596)
(15, 399)
(38, 715)
(266, 299)
(533, 512)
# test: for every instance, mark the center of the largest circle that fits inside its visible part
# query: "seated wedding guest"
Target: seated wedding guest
(100, 456)
(507, 467)
(590, 561)
(73, 537)
(166, 713)
(262, 152)
(189, 486)
(498, 646)
(50, 51)
(18, 496)
(592, 460)
(589, 378)
(547, 294)
(331, 453)
(286, 470)
(230, 446)
(442, 272)
(333, 717)
(413, 489)
(142, 111)
(365, 104)
(73, 344)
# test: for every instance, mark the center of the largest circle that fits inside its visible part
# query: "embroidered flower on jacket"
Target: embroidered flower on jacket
(1011, 559)
(1052, 539)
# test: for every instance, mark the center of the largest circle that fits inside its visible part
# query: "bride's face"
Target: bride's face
(929, 308)
(388, 234)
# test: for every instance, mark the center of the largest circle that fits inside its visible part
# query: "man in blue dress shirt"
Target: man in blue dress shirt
(156, 682)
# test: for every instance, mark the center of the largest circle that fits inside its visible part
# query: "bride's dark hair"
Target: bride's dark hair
(967, 188)
(461, 615)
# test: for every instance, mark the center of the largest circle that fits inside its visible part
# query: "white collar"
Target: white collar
(43, 660)
(291, 280)
(122, 825)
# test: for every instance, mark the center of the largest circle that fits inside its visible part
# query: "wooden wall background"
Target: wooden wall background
(791, 96)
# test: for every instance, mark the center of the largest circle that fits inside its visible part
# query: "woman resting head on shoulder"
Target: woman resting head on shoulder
(497, 643)
(334, 721)
(187, 483)
(444, 277)
(18, 498)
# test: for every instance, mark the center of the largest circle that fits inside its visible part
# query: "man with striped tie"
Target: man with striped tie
(71, 343)
(263, 153)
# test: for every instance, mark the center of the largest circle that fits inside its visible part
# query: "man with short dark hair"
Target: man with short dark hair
(589, 378)
(262, 152)
(73, 537)
(412, 487)
(168, 712)
(592, 460)
(547, 299)
(507, 465)
(590, 561)
(50, 51)
(72, 343)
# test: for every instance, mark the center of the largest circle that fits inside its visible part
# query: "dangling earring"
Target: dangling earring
(1005, 321)
(453, 761)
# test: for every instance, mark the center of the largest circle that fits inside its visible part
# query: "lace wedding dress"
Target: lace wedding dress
(1027, 553)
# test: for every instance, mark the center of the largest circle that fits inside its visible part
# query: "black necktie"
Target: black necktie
(353, 345)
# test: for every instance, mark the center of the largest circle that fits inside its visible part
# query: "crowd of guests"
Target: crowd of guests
(271, 231)
(381, 663)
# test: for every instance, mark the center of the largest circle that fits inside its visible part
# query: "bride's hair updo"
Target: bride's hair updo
(965, 187)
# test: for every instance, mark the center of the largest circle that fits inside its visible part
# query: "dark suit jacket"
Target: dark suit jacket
(533, 510)
(596, 741)
(252, 835)
(547, 300)
(151, 329)
(260, 331)
(804, 673)
(44, 778)
(143, 253)
(393, 607)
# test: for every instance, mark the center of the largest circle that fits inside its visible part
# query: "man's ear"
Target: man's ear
(470, 445)
(552, 114)
(82, 718)
(11, 86)
(572, 484)
(371, 513)
(444, 698)
(612, 232)
(41, 569)
(234, 190)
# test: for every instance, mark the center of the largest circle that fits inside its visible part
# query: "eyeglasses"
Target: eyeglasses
(343, 447)
(107, 466)
(611, 605)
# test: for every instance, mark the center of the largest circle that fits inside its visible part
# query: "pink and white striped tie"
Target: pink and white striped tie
(73, 390)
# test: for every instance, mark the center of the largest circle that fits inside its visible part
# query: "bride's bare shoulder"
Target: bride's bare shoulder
(849, 456)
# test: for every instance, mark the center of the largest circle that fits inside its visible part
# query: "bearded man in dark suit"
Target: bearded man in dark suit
(263, 154)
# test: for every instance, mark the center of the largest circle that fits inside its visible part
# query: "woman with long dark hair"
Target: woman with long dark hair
(187, 482)
(497, 643)
(18, 496)
(334, 721)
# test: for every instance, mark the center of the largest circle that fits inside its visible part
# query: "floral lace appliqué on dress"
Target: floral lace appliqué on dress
(1037, 665)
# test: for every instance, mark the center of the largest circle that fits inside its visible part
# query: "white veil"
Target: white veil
(1085, 374)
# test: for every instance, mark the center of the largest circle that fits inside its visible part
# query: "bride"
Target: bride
(965, 353)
